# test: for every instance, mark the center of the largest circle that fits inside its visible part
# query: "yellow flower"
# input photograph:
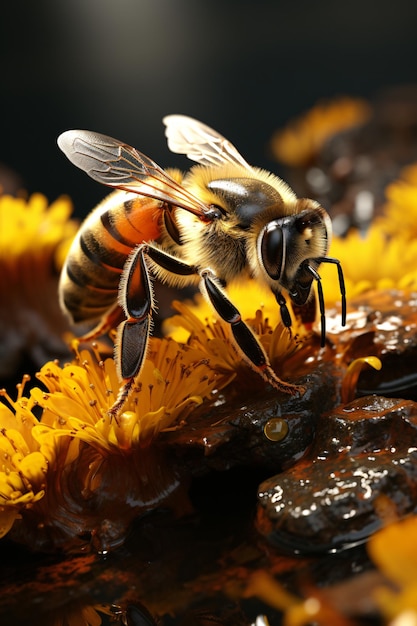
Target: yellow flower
(30, 226)
(372, 261)
(386, 256)
(296, 611)
(82, 472)
(400, 211)
(34, 238)
(173, 380)
(298, 143)
(199, 326)
(23, 465)
(394, 551)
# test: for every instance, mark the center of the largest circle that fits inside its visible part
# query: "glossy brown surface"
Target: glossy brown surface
(363, 453)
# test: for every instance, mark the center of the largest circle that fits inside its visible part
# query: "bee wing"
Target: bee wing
(200, 142)
(118, 165)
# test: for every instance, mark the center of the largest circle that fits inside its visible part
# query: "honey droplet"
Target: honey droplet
(276, 429)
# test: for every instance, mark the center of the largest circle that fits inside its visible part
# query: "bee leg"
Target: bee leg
(250, 347)
(136, 299)
(283, 308)
(109, 321)
(130, 350)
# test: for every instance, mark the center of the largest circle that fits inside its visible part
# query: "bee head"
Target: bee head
(288, 244)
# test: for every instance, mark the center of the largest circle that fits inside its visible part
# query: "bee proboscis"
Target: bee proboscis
(222, 221)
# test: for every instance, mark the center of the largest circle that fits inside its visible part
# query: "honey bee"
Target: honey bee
(222, 221)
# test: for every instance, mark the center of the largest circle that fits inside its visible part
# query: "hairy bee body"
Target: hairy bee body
(222, 221)
(90, 278)
(227, 244)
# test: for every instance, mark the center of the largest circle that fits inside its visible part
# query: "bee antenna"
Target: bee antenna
(327, 259)
(317, 278)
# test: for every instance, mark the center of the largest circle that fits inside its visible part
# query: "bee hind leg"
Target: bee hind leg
(131, 345)
(136, 299)
(113, 318)
(249, 346)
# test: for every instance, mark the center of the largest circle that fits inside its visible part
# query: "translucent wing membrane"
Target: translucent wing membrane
(118, 165)
(200, 142)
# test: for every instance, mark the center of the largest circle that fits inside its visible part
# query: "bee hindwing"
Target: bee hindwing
(200, 142)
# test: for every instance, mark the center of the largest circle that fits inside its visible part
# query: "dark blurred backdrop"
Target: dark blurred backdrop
(242, 67)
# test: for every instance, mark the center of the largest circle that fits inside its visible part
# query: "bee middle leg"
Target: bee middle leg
(246, 341)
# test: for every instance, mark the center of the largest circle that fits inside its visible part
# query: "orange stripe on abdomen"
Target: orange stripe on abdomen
(96, 260)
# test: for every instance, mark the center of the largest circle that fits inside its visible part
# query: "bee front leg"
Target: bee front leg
(249, 346)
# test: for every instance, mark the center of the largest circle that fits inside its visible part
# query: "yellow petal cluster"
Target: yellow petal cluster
(173, 380)
(199, 327)
(34, 238)
(23, 463)
(371, 261)
(298, 143)
(400, 211)
(394, 551)
(76, 439)
(77, 442)
(385, 257)
(33, 231)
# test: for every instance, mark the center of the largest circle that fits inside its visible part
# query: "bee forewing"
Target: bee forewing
(88, 150)
(200, 142)
(116, 164)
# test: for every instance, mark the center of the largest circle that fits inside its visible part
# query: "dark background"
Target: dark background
(245, 68)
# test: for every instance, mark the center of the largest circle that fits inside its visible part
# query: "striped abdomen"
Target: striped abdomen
(91, 274)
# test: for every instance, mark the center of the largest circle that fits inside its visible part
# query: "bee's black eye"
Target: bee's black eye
(218, 211)
(273, 250)
(215, 213)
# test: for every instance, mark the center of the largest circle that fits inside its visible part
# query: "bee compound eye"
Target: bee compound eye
(273, 250)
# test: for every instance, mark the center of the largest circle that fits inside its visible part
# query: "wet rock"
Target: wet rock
(363, 461)
(247, 430)
(381, 324)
